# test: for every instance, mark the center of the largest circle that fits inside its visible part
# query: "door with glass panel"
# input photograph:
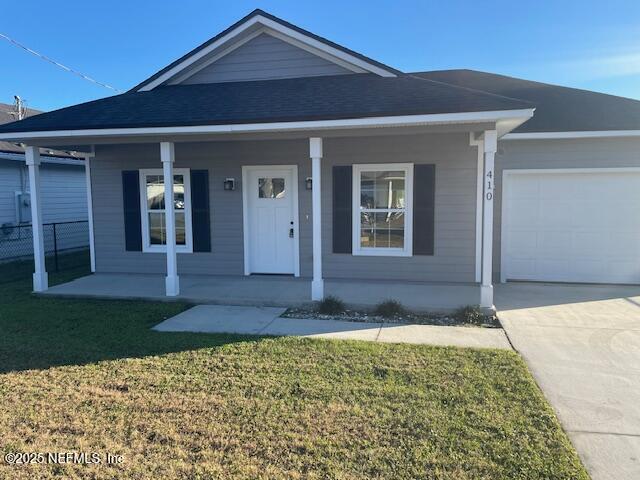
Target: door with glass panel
(271, 237)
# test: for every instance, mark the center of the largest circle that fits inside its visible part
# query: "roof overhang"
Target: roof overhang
(249, 27)
(569, 135)
(20, 157)
(505, 121)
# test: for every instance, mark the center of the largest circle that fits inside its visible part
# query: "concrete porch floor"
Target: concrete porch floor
(267, 290)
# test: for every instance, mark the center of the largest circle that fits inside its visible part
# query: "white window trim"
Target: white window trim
(407, 251)
(146, 241)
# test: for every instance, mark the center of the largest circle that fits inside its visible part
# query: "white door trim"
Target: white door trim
(510, 172)
(245, 214)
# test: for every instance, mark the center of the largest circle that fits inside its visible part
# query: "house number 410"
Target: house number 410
(489, 194)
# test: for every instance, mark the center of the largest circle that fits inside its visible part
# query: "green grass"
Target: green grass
(75, 261)
(91, 376)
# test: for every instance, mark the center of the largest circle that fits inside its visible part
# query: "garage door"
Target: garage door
(571, 226)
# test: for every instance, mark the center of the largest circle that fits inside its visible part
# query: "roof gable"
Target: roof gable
(250, 27)
(262, 57)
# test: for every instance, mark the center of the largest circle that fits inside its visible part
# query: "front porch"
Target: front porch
(267, 290)
(363, 216)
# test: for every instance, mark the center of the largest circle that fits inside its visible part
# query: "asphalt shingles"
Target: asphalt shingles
(288, 100)
(558, 109)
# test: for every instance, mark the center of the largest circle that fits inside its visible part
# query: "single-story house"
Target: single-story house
(287, 154)
(63, 188)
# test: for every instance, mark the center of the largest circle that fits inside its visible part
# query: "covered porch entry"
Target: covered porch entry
(267, 290)
(452, 271)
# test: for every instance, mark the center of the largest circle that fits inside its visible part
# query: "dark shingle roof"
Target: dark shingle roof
(297, 99)
(284, 23)
(7, 115)
(558, 109)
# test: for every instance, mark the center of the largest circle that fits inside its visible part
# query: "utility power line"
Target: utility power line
(57, 64)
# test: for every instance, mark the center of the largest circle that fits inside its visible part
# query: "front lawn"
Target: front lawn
(90, 376)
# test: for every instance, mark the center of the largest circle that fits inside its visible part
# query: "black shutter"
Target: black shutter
(200, 219)
(424, 190)
(342, 208)
(131, 203)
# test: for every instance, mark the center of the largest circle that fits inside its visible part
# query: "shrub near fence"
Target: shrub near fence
(66, 247)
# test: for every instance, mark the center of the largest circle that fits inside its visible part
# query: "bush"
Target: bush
(389, 309)
(331, 306)
(470, 314)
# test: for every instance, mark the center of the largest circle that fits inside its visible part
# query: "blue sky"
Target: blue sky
(586, 44)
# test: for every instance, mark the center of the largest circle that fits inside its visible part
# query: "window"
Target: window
(271, 188)
(382, 209)
(154, 227)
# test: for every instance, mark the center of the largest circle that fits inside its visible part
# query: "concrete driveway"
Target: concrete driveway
(582, 344)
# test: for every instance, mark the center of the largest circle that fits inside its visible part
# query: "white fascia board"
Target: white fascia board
(20, 157)
(326, 48)
(198, 55)
(214, 58)
(304, 45)
(568, 135)
(276, 27)
(371, 122)
(263, 30)
(61, 161)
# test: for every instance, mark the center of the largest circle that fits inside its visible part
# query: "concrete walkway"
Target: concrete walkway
(266, 321)
(582, 344)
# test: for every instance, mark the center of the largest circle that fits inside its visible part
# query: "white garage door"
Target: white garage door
(571, 226)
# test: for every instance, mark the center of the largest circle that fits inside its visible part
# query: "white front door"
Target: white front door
(571, 226)
(271, 236)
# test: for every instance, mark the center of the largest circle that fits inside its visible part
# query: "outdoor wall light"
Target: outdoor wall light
(230, 184)
(308, 183)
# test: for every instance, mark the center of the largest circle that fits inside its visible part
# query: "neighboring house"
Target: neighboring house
(293, 155)
(63, 186)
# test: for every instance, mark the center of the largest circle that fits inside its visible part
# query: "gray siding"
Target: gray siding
(265, 58)
(455, 208)
(63, 190)
(223, 160)
(455, 204)
(545, 154)
(11, 181)
(64, 193)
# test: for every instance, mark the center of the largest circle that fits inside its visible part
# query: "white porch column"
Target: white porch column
(40, 278)
(172, 282)
(92, 248)
(486, 288)
(315, 152)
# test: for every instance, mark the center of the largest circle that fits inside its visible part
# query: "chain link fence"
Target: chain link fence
(66, 246)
